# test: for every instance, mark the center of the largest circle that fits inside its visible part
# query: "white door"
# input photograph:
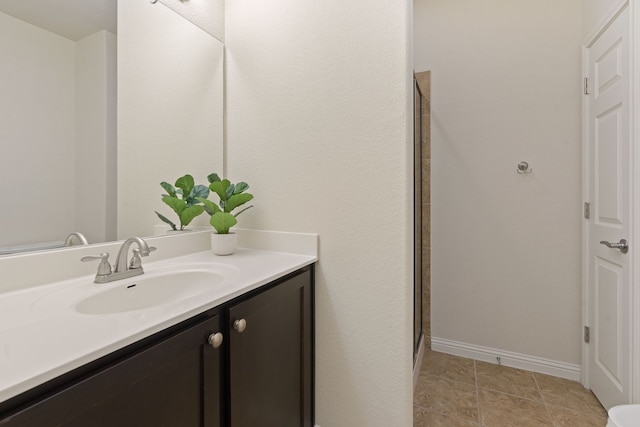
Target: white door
(609, 189)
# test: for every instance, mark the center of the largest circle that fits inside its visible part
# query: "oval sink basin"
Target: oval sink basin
(143, 291)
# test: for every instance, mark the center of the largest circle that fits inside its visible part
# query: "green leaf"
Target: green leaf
(220, 188)
(188, 214)
(237, 200)
(229, 191)
(240, 187)
(201, 191)
(176, 204)
(168, 188)
(209, 206)
(222, 222)
(213, 178)
(167, 220)
(186, 183)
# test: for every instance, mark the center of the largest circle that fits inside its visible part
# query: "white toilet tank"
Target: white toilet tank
(624, 416)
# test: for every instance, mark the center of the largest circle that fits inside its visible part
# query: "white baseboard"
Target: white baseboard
(507, 358)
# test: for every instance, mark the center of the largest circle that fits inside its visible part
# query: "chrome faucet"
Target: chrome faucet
(122, 263)
(76, 238)
(122, 268)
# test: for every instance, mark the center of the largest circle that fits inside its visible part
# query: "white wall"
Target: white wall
(170, 110)
(206, 14)
(319, 123)
(505, 247)
(57, 125)
(37, 108)
(95, 136)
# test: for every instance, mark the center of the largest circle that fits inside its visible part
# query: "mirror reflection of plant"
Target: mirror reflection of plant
(231, 196)
(183, 200)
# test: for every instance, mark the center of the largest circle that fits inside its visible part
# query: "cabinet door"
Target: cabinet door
(173, 383)
(271, 359)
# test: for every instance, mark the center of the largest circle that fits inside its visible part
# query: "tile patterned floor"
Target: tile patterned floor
(457, 392)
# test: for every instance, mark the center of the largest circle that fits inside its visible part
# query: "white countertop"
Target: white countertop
(42, 336)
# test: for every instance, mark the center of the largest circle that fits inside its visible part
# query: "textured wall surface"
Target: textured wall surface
(96, 147)
(505, 247)
(206, 14)
(37, 124)
(319, 122)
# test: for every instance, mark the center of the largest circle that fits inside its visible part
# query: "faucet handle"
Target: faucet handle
(136, 261)
(104, 269)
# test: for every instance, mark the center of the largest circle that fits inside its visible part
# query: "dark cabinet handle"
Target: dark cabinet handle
(240, 325)
(215, 340)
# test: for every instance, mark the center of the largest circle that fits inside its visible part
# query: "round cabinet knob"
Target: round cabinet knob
(216, 340)
(240, 325)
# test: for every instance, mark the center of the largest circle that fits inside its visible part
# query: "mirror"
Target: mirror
(63, 170)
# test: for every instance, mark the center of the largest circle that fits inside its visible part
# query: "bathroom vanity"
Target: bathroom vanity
(239, 358)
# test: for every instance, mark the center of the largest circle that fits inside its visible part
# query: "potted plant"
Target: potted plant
(232, 196)
(183, 200)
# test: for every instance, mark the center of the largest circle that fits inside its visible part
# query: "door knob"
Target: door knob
(215, 340)
(623, 245)
(240, 325)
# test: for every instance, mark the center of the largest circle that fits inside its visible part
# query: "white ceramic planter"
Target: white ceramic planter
(224, 244)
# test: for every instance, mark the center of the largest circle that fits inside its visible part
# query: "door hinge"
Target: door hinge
(587, 210)
(586, 85)
(586, 334)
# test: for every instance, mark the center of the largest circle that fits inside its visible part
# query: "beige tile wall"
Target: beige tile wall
(424, 82)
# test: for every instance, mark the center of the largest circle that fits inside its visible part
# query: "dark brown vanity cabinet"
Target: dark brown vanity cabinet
(259, 374)
(176, 382)
(270, 357)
